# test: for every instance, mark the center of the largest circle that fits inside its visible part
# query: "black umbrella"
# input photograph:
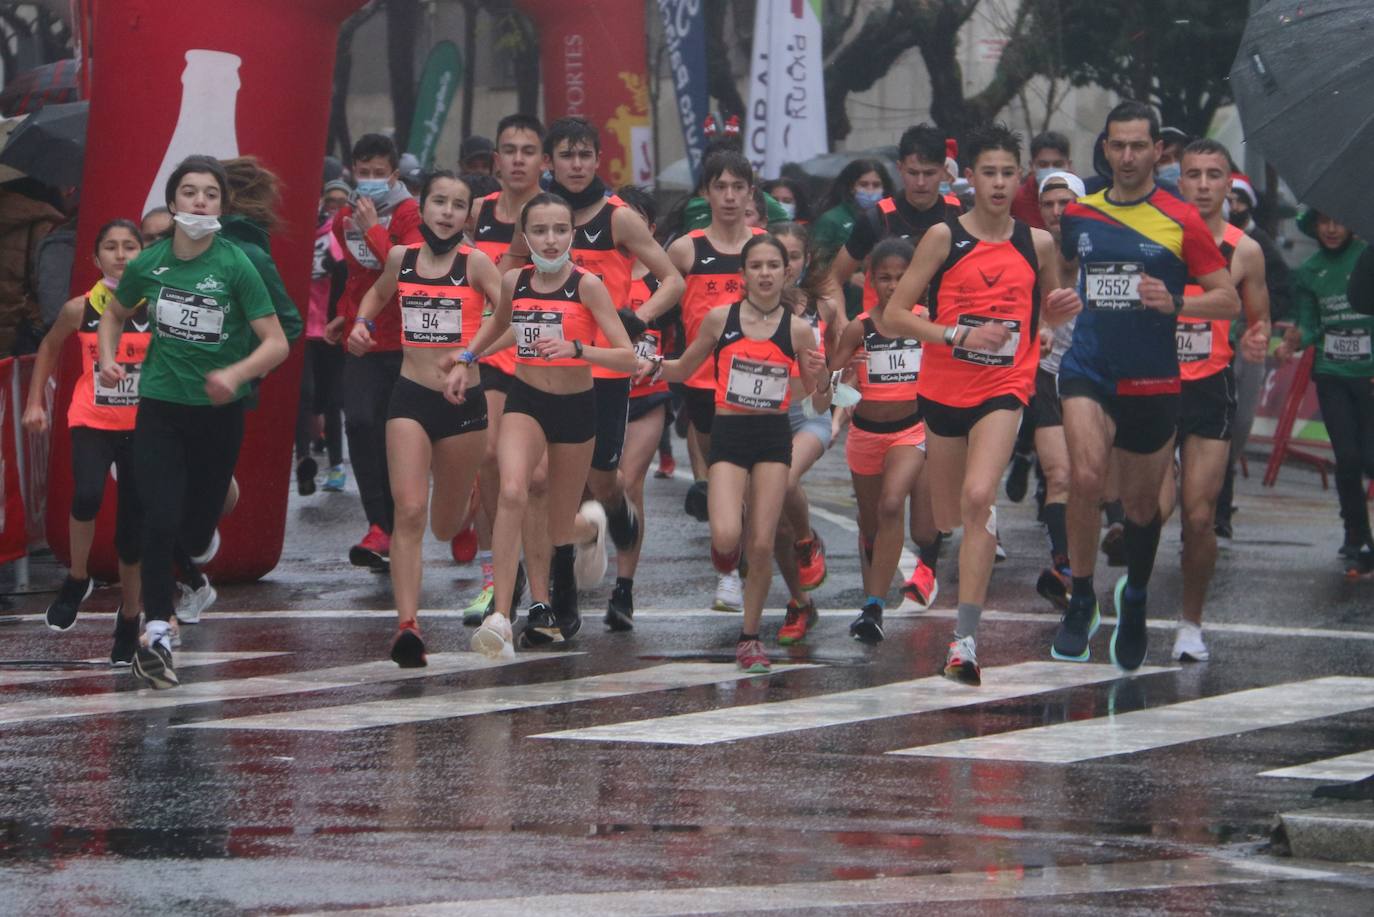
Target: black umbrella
(50, 145)
(1302, 81)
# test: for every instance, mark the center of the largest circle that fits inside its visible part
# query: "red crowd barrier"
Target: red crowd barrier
(14, 537)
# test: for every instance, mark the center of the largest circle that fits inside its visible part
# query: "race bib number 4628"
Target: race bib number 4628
(1113, 286)
(189, 317)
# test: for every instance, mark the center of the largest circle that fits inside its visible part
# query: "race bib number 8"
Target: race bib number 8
(893, 362)
(123, 395)
(757, 385)
(1346, 345)
(1003, 356)
(1193, 341)
(189, 317)
(432, 322)
(532, 327)
(1113, 286)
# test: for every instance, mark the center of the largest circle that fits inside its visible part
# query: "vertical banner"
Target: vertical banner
(14, 541)
(595, 66)
(434, 99)
(786, 121)
(215, 76)
(684, 38)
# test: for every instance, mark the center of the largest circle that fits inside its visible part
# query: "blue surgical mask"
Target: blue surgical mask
(789, 208)
(1169, 174)
(1042, 174)
(548, 265)
(945, 187)
(375, 188)
(867, 200)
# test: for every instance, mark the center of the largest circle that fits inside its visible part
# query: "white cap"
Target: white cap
(1074, 183)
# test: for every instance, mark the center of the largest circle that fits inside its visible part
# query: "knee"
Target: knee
(1086, 479)
(409, 516)
(1199, 519)
(976, 501)
(513, 497)
(759, 550)
(538, 483)
(86, 502)
(1056, 479)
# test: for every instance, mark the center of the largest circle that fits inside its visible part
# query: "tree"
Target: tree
(1175, 54)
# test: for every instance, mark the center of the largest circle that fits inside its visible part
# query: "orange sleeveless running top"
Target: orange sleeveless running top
(558, 316)
(890, 367)
(714, 280)
(1204, 347)
(93, 405)
(594, 250)
(437, 312)
(754, 375)
(492, 238)
(896, 227)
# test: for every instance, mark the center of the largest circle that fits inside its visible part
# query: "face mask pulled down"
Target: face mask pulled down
(197, 226)
(548, 265)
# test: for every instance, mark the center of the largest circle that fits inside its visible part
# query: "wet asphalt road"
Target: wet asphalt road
(294, 771)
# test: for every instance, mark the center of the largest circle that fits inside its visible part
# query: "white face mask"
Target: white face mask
(548, 265)
(111, 283)
(197, 225)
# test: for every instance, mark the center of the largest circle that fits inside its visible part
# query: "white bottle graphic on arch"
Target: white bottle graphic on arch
(206, 122)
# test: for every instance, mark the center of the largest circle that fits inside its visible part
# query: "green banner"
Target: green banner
(438, 84)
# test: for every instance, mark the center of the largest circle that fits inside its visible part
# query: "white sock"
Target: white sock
(158, 631)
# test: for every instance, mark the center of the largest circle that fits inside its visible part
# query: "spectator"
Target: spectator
(858, 187)
(476, 154)
(27, 215)
(1049, 153)
(791, 197)
(156, 226)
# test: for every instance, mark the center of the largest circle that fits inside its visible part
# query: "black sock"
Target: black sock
(1082, 592)
(562, 564)
(1057, 524)
(743, 636)
(1115, 514)
(930, 553)
(1142, 541)
(625, 582)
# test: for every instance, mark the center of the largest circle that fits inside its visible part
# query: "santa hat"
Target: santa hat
(1240, 183)
(951, 148)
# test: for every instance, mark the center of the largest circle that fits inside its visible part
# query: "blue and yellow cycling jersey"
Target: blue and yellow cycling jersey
(1117, 342)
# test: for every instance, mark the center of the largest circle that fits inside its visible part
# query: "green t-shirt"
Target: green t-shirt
(200, 311)
(1342, 336)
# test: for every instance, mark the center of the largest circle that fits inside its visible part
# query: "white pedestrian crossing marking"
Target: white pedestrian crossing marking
(903, 698)
(850, 896)
(102, 667)
(1157, 727)
(212, 692)
(1344, 768)
(492, 700)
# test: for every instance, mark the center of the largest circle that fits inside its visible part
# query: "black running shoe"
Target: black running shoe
(408, 648)
(306, 469)
(1129, 640)
(620, 610)
(623, 525)
(868, 626)
(563, 598)
(1018, 478)
(541, 628)
(125, 639)
(1076, 630)
(153, 666)
(61, 615)
(695, 504)
(1053, 586)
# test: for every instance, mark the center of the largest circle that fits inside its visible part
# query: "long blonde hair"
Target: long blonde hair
(254, 191)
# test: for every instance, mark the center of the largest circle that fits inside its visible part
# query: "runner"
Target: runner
(1343, 371)
(990, 277)
(886, 445)
(322, 362)
(762, 357)
(382, 215)
(101, 422)
(1058, 190)
(709, 259)
(1207, 401)
(555, 310)
(214, 331)
(1136, 246)
(441, 285)
(519, 153)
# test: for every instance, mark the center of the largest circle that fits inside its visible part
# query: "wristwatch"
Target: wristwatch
(577, 349)
(950, 331)
(1178, 303)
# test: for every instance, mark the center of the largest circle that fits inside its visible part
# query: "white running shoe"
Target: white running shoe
(493, 638)
(201, 560)
(195, 602)
(590, 566)
(729, 592)
(1188, 645)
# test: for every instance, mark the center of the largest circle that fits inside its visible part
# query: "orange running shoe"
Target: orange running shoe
(811, 560)
(922, 588)
(799, 619)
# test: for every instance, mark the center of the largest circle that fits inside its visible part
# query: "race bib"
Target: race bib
(1003, 356)
(189, 317)
(123, 395)
(756, 384)
(532, 327)
(428, 321)
(893, 361)
(1346, 345)
(646, 348)
(355, 241)
(1194, 341)
(1113, 286)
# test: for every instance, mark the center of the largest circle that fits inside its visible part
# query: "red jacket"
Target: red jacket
(366, 254)
(1025, 206)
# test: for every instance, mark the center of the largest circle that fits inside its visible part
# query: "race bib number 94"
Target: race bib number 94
(432, 321)
(1113, 286)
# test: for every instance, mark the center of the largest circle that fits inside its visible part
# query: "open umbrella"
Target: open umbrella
(50, 145)
(1302, 81)
(49, 84)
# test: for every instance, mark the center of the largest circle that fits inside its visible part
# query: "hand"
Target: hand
(987, 337)
(815, 366)
(360, 340)
(36, 419)
(456, 386)
(334, 330)
(645, 369)
(364, 214)
(221, 385)
(111, 374)
(551, 349)
(1254, 344)
(1046, 342)
(1063, 304)
(1155, 295)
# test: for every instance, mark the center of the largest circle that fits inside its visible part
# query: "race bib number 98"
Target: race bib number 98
(532, 327)
(1113, 286)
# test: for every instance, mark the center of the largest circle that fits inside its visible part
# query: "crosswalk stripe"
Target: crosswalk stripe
(1355, 766)
(1157, 727)
(903, 698)
(97, 667)
(211, 692)
(492, 700)
(851, 895)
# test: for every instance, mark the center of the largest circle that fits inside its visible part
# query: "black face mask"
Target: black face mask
(437, 245)
(584, 198)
